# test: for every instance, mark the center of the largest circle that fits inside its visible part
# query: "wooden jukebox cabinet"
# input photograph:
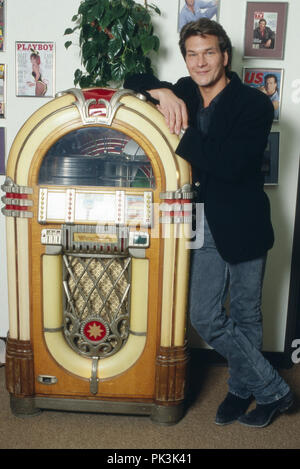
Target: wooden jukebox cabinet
(97, 204)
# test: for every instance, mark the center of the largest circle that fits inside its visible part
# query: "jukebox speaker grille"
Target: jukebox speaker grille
(96, 313)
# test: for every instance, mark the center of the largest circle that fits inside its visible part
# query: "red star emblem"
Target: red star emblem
(94, 331)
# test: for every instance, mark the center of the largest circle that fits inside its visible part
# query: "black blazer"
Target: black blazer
(227, 162)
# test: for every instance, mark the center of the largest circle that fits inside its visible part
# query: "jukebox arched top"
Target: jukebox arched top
(77, 112)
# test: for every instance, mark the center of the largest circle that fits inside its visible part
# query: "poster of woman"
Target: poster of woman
(192, 10)
(268, 81)
(35, 69)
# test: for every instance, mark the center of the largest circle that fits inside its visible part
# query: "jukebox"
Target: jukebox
(97, 208)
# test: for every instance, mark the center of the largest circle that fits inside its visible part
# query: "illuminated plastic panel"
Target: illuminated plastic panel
(60, 205)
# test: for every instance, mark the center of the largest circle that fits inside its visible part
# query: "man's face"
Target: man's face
(190, 3)
(262, 25)
(205, 61)
(270, 85)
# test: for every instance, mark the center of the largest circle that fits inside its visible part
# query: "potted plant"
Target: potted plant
(116, 38)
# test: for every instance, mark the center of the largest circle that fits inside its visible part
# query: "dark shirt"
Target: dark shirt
(204, 114)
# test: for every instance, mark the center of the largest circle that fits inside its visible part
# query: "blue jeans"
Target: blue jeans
(237, 337)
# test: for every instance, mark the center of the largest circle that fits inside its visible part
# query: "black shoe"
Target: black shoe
(263, 414)
(231, 409)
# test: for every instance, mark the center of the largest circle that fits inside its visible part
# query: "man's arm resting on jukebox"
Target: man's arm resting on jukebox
(232, 158)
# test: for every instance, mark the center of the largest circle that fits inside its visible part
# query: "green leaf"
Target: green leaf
(68, 31)
(77, 76)
(156, 43)
(129, 25)
(148, 43)
(117, 29)
(87, 31)
(155, 8)
(88, 49)
(118, 11)
(93, 14)
(68, 44)
(114, 47)
(129, 61)
(85, 81)
(135, 41)
(141, 15)
(118, 71)
(106, 19)
(91, 64)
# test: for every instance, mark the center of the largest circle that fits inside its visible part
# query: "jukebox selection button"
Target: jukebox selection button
(138, 239)
(94, 330)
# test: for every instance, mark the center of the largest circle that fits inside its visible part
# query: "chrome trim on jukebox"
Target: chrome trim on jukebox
(47, 379)
(16, 200)
(185, 192)
(177, 206)
(10, 186)
(94, 380)
(83, 106)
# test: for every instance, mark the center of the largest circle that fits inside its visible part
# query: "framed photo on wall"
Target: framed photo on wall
(271, 159)
(2, 150)
(2, 24)
(267, 80)
(192, 10)
(35, 69)
(265, 29)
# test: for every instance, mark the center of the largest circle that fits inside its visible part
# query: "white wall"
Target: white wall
(31, 21)
(47, 20)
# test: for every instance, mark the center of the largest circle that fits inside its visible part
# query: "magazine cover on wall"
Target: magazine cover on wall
(267, 80)
(265, 29)
(2, 26)
(192, 10)
(2, 150)
(35, 69)
(271, 159)
(2, 90)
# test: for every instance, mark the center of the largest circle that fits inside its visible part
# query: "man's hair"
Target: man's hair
(204, 27)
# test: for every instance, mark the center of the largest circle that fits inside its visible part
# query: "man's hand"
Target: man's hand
(173, 109)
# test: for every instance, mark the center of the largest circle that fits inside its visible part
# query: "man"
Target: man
(263, 36)
(195, 9)
(227, 125)
(270, 88)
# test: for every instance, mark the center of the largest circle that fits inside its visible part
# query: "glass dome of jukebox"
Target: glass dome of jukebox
(96, 156)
